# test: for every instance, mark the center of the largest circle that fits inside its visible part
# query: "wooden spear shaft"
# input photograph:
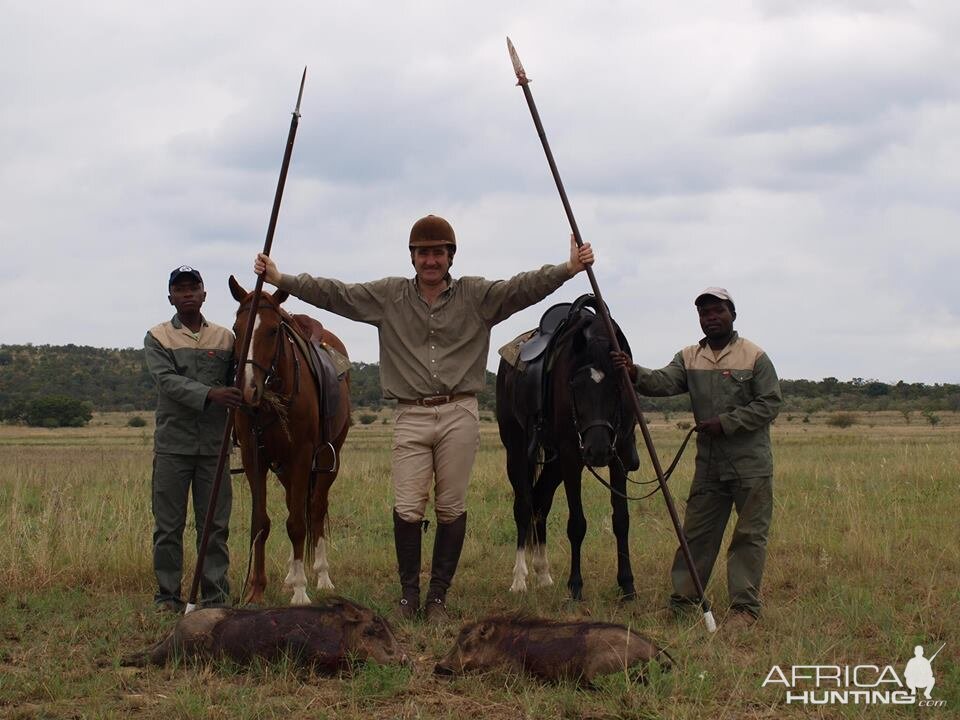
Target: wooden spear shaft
(524, 83)
(244, 348)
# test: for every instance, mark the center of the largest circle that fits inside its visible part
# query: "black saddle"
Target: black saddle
(531, 396)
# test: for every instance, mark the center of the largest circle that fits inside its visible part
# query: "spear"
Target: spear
(245, 346)
(524, 82)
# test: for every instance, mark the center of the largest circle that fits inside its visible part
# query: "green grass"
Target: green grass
(863, 565)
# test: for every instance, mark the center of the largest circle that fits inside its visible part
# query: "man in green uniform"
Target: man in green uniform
(191, 361)
(434, 338)
(735, 394)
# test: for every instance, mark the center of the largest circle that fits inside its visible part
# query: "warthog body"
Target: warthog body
(323, 637)
(549, 650)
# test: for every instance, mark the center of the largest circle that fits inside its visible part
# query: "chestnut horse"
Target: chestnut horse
(282, 427)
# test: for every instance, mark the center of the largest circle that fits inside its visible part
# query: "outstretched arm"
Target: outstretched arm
(502, 298)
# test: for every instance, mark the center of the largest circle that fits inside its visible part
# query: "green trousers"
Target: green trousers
(708, 509)
(175, 477)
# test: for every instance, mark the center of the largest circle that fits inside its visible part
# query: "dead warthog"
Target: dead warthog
(549, 650)
(324, 637)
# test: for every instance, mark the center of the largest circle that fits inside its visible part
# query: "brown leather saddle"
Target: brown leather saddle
(327, 368)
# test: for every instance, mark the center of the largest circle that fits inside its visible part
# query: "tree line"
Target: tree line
(82, 379)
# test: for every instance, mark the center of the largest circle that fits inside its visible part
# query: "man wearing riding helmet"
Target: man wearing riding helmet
(434, 333)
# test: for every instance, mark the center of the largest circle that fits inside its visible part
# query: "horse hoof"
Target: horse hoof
(627, 595)
(518, 586)
(300, 597)
(325, 583)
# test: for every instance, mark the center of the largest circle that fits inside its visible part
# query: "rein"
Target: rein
(666, 475)
(285, 332)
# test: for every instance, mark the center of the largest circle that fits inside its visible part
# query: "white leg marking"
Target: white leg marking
(520, 572)
(541, 566)
(297, 579)
(248, 380)
(321, 567)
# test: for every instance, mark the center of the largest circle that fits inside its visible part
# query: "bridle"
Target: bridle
(611, 428)
(272, 380)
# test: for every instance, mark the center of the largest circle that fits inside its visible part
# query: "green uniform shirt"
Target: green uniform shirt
(437, 349)
(185, 367)
(739, 385)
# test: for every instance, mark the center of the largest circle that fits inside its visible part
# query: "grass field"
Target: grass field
(864, 564)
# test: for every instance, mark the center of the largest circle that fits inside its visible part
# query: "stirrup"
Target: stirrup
(336, 463)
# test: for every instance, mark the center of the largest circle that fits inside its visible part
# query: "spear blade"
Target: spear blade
(296, 110)
(522, 78)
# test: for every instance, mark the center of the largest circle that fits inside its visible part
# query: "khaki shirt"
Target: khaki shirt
(438, 349)
(185, 369)
(739, 385)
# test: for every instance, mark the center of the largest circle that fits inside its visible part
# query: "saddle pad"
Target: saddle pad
(511, 351)
(340, 361)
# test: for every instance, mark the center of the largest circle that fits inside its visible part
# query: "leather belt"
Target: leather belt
(434, 400)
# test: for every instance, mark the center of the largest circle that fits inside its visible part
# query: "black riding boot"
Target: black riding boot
(446, 557)
(406, 538)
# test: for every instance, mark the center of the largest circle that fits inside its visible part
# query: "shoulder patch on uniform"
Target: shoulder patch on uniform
(165, 334)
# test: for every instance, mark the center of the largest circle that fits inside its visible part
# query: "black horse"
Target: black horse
(581, 419)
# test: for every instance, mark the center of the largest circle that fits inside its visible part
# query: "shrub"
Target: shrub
(932, 418)
(842, 420)
(683, 425)
(367, 418)
(58, 411)
(136, 421)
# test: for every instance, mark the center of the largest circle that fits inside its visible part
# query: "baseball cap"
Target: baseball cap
(177, 273)
(716, 292)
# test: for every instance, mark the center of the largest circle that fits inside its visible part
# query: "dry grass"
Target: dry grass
(863, 565)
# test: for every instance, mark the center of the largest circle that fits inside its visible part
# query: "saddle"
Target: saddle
(532, 355)
(327, 368)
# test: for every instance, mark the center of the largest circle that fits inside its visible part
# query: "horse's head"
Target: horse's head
(259, 366)
(601, 418)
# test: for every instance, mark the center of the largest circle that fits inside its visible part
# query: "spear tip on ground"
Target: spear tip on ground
(517, 67)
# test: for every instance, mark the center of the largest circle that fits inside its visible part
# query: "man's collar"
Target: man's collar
(178, 324)
(451, 281)
(733, 338)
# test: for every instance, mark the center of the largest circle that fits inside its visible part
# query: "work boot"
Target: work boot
(738, 621)
(406, 538)
(446, 556)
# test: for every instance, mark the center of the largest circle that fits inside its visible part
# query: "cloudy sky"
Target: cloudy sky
(805, 154)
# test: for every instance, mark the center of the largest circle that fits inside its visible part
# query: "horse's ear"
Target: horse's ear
(280, 296)
(238, 292)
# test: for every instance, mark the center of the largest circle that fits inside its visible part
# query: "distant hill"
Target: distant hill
(117, 379)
